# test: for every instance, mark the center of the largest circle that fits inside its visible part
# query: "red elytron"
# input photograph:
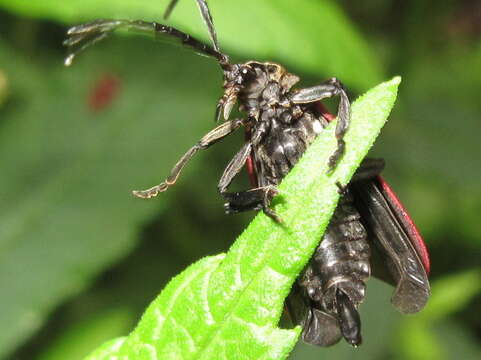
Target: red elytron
(407, 222)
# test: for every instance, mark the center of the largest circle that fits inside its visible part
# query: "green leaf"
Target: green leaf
(107, 350)
(229, 308)
(313, 36)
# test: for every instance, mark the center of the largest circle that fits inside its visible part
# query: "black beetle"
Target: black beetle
(281, 122)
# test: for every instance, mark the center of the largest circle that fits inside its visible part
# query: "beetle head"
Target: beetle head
(254, 82)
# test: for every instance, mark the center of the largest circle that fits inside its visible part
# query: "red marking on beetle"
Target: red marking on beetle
(324, 112)
(251, 170)
(407, 223)
(104, 91)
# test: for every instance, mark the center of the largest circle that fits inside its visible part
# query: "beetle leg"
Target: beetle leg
(269, 192)
(211, 138)
(234, 166)
(254, 199)
(82, 36)
(342, 189)
(244, 200)
(328, 89)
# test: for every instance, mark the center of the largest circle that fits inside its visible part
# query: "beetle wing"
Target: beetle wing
(389, 229)
(406, 221)
(318, 327)
(321, 328)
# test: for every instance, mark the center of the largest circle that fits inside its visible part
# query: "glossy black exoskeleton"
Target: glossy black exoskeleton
(281, 122)
(327, 295)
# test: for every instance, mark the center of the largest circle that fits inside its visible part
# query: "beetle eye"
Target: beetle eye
(247, 74)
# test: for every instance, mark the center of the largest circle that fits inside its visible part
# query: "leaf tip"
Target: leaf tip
(396, 80)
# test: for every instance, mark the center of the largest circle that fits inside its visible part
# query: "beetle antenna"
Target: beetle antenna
(169, 9)
(206, 16)
(83, 36)
(204, 11)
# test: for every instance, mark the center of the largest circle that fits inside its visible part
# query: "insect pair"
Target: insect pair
(280, 122)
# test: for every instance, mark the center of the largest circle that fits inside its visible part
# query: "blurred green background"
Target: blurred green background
(80, 258)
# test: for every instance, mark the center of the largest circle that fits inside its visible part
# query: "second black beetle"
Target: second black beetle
(281, 122)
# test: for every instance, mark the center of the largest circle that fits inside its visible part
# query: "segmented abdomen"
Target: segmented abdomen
(341, 261)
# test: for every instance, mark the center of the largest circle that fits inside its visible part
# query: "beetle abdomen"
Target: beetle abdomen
(339, 268)
(343, 254)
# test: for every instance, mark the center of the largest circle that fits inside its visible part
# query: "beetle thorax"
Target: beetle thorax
(258, 86)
